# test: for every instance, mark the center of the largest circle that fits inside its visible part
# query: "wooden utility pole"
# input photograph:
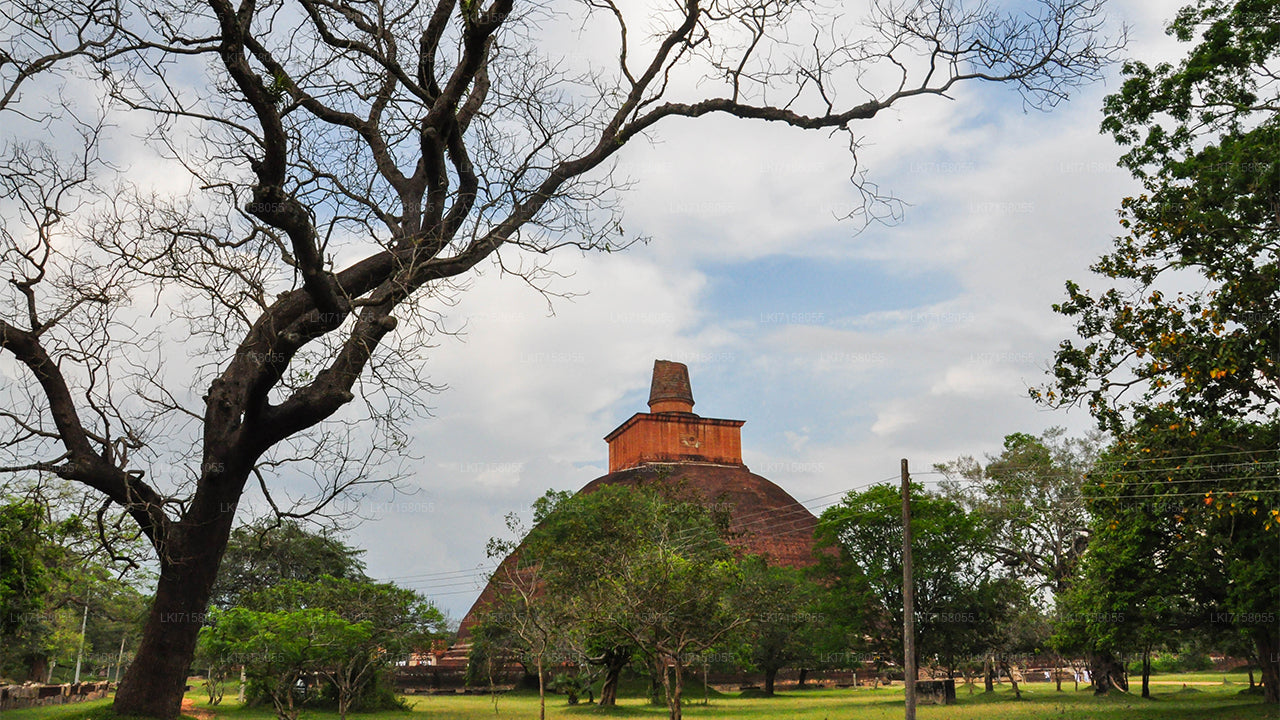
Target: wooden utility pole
(908, 600)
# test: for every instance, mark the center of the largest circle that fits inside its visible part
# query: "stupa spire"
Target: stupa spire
(670, 390)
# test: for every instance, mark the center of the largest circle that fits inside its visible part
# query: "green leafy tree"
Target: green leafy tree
(956, 607)
(24, 571)
(1203, 137)
(1028, 499)
(394, 622)
(353, 631)
(279, 649)
(54, 573)
(570, 538)
(1184, 538)
(526, 619)
(640, 568)
(268, 552)
(784, 619)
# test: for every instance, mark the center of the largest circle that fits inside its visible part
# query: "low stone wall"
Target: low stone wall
(16, 697)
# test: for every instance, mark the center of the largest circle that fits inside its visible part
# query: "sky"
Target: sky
(844, 349)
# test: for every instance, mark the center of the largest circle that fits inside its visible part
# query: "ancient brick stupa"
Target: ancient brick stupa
(704, 455)
(671, 444)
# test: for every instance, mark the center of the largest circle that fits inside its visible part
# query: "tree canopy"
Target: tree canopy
(56, 574)
(346, 631)
(264, 554)
(1028, 499)
(961, 604)
(1179, 359)
(1202, 135)
(626, 567)
(1184, 535)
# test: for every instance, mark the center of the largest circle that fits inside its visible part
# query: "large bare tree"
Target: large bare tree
(332, 167)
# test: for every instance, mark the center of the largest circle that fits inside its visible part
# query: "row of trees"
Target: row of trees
(71, 599)
(290, 604)
(649, 575)
(1072, 551)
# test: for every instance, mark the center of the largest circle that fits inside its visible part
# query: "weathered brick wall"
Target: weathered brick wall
(16, 697)
(671, 438)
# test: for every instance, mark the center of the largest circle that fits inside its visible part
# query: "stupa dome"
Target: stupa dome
(703, 457)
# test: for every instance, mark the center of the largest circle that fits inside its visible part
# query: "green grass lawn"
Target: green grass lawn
(1040, 702)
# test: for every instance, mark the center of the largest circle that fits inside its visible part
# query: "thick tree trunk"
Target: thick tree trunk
(39, 666)
(154, 682)
(1107, 674)
(1146, 672)
(988, 673)
(614, 662)
(189, 559)
(804, 673)
(1269, 659)
(609, 690)
(770, 674)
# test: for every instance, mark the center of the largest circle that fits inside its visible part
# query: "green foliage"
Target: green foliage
(278, 649)
(51, 568)
(1204, 138)
(24, 570)
(962, 608)
(1173, 663)
(786, 622)
(1028, 501)
(267, 553)
(347, 631)
(573, 685)
(1192, 371)
(627, 567)
(1184, 538)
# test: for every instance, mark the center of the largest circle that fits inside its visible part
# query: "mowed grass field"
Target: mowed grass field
(1210, 700)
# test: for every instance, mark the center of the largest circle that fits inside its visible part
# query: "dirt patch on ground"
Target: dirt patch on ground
(190, 710)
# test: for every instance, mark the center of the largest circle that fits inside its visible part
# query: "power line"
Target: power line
(790, 518)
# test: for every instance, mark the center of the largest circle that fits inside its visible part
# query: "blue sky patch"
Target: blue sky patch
(790, 290)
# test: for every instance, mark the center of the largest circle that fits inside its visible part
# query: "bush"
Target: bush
(378, 694)
(1191, 662)
(1173, 663)
(571, 685)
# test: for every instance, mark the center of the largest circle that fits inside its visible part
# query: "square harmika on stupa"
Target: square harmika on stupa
(670, 444)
